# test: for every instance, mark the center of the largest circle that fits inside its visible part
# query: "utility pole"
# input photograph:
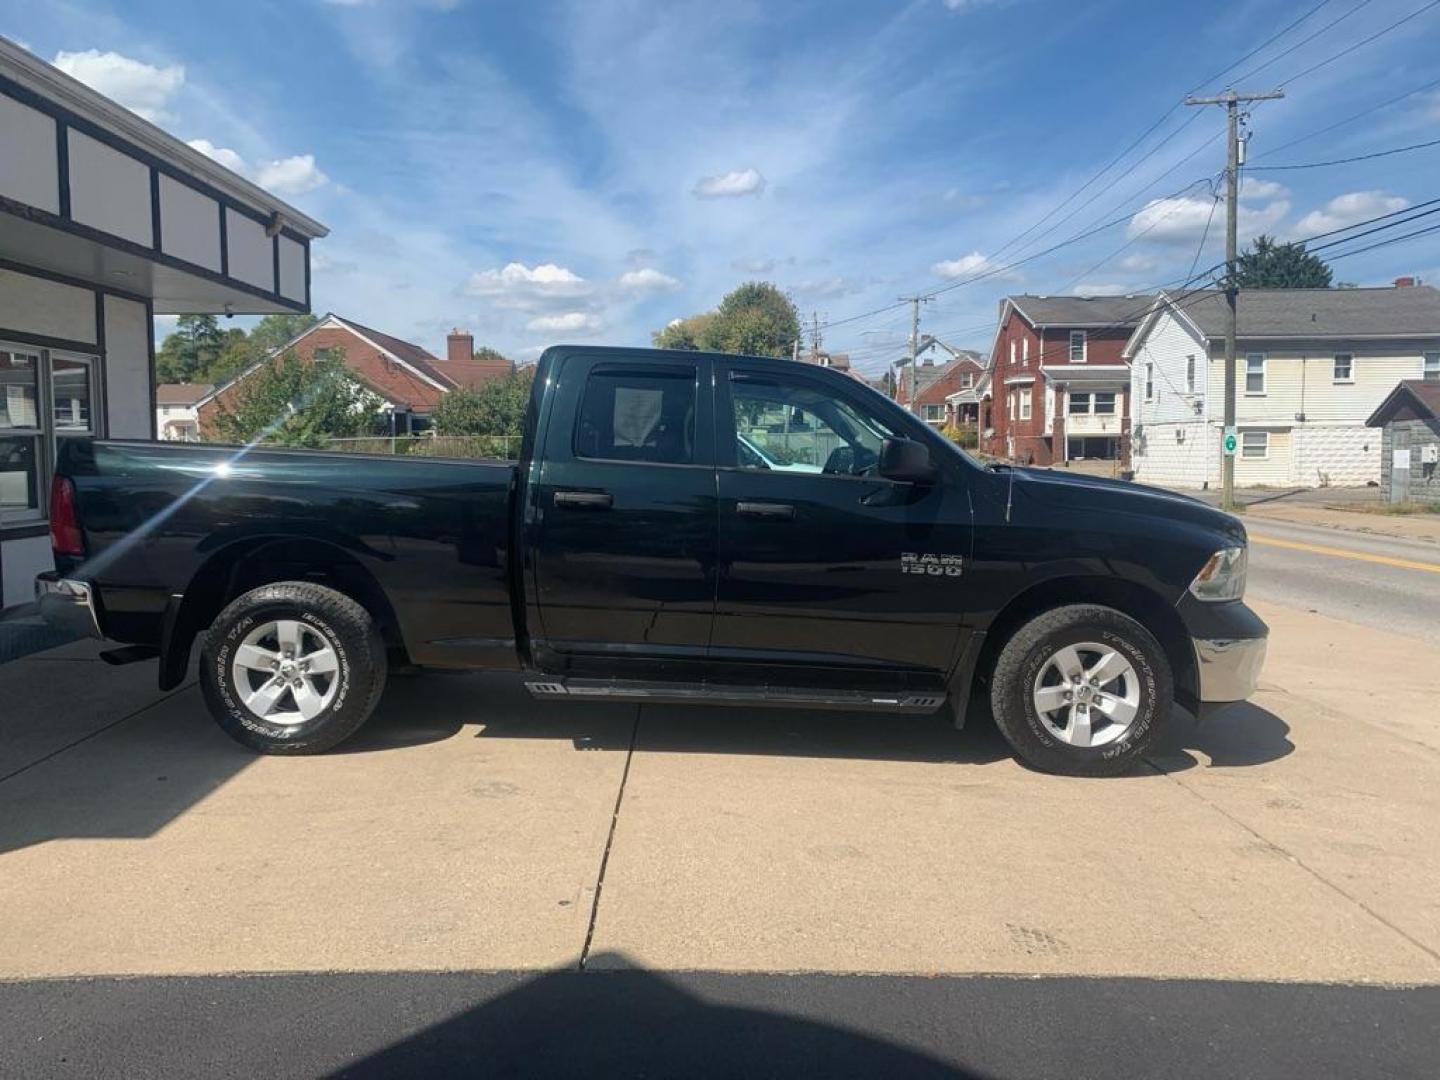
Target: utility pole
(1234, 159)
(915, 302)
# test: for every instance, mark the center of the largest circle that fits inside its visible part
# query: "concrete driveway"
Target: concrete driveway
(470, 828)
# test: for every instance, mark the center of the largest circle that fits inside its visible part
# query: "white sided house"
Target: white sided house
(1311, 366)
(105, 222)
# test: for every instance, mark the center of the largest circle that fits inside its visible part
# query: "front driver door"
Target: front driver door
(826, 568)
(623, 529)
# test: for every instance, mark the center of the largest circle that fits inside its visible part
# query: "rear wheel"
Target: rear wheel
(292, 668)
(1081, 690)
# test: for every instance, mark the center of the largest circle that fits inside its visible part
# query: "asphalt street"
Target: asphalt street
(641, 1023)
(1381, 582)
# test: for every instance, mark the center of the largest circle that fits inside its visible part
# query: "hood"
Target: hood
(1055, 487)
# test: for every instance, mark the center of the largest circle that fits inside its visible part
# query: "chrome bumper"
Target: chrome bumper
(1229, 667)
(67, 604)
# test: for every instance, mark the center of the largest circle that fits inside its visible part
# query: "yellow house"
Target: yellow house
(1311, 366)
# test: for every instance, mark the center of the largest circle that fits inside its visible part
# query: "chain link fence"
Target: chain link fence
(442, 446)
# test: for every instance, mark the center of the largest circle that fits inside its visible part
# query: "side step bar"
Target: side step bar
(721, 694)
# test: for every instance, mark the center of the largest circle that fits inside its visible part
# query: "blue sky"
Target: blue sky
(589, 171)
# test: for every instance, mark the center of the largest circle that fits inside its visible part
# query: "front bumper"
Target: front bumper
(1229, 668)
(67, 604)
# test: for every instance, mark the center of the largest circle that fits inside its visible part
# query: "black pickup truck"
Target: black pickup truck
(680, 527)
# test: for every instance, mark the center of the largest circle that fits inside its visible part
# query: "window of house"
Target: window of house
(934, 412)
(1025, 404)
(44, 394)
(1432, 365)
(1079, 404)
(627, 416)
(793, 425)
(1012, 350)
(1255, 444)
(967, 380)
(1077, 346)
(1149, 382)
(1025, 351)
(1104, 403)
(1255, 373)
(1190, 374)
(1344, 367)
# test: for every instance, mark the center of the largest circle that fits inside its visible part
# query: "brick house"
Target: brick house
(409, 380)
(1058, 383)
(959, 372)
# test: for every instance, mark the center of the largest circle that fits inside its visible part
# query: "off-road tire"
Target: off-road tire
(1021, 660)
(346, 627)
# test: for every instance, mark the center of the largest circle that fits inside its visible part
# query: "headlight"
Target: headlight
(1222, 577)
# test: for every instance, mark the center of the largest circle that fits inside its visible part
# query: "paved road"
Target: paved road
(1385, 583)
(644, 1023)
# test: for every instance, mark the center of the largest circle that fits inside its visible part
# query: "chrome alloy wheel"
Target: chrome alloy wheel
(1087, 694)
(286, 672)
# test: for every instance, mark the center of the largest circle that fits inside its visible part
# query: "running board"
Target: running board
(720, 694)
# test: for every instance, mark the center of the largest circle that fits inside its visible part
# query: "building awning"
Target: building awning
(107, 198)
(1088, 376)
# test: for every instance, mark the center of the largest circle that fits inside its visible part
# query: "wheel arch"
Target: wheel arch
(247, 564)
(1143, 605)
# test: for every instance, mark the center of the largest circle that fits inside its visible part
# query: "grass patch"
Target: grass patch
(1388, 509)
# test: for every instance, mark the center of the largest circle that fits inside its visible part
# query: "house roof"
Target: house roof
(1082, 312)
(1312, 313)
(408, 352)
(1419, 397)
(181, 393)
(478, 372)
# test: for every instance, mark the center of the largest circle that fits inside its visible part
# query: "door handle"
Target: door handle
(766, 509)
(588, 500)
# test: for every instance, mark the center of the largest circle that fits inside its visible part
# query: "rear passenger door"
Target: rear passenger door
(622, 522)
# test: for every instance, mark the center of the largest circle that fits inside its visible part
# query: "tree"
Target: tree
(684, 334)
(756, 319)
(1270, 265)
(188, 353)
(485, 352)
(294, 403)
(276, 331)
(497, 408)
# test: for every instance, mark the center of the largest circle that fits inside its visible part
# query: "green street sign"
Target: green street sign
(1230, 442)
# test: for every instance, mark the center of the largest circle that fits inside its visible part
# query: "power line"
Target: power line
(1300, 44)
(1348, 120)
(1360, 44)
(1386, 242)
(1348, 160)
(1205, 235)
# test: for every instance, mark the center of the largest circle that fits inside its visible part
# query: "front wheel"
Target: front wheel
(292, 668)
(1081, 690)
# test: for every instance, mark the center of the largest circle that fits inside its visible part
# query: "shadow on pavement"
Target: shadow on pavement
(440, 706)
(1233, 736)
(636, 1023)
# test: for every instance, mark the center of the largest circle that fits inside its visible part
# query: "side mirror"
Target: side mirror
(906, 460)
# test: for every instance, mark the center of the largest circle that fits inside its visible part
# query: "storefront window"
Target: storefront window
(43, 395)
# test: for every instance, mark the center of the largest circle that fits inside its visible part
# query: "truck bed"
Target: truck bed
(164, 520)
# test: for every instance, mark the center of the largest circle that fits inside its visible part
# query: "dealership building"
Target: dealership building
(105, 222)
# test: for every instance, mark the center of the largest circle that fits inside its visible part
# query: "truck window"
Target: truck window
(628, 416)
(799, 427)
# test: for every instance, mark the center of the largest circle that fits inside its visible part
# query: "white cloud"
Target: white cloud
(1183, 220)
(1251, 188)
(1349, 209)
(827, 288)
(142, 88)
(972, 5)
(286, 176)
(730, 185)
(571, 322)
(543, 287)
(1094, 288)
(648, 280)
(969, 266)
(291, 176)
(1138, 263)
(223, 155)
